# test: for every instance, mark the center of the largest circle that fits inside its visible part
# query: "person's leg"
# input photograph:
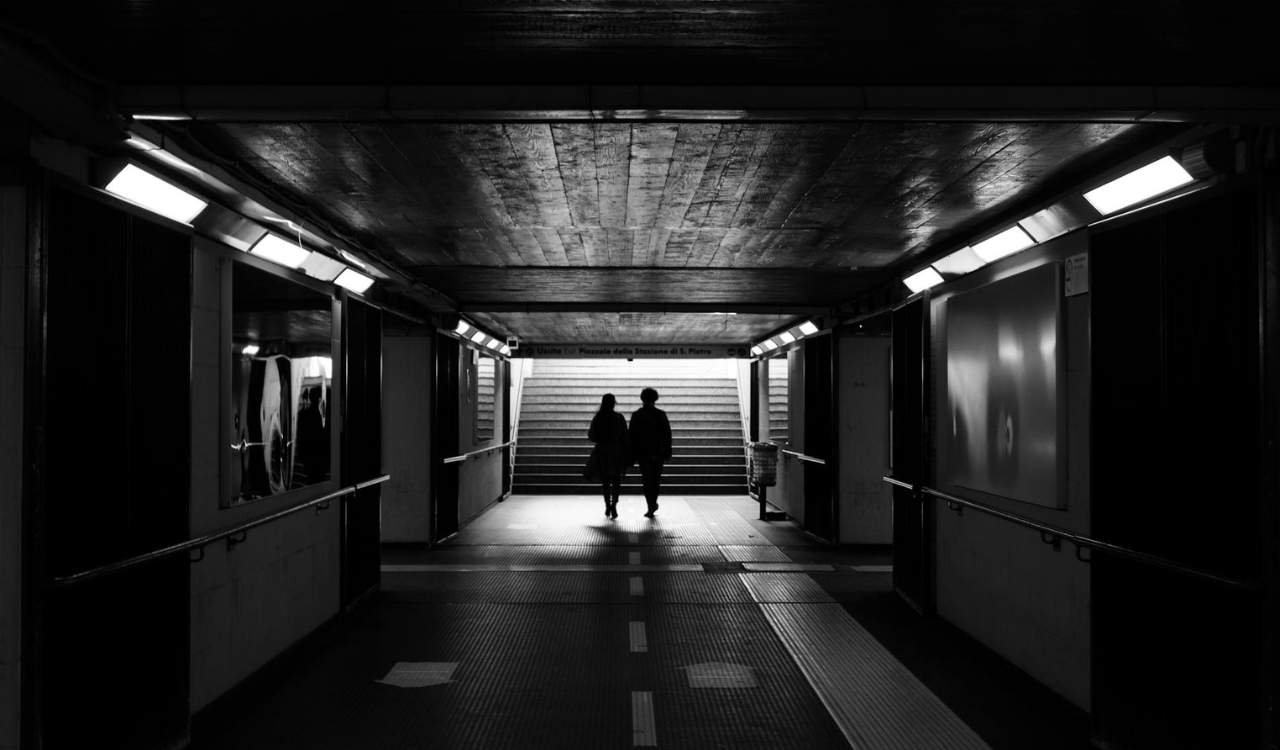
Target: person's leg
(604, 489)
(617, 492)
(650, 470)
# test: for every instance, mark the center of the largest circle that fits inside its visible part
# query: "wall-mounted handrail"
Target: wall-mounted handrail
(478, 452)
(237, 533)
(802, 457)
(1054, 535)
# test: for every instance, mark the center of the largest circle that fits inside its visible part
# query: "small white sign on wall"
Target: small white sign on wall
(1077, 273)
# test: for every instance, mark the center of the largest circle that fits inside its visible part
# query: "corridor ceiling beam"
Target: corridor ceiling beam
(677, 103)
(615, 307)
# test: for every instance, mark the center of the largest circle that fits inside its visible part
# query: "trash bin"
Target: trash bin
(763, 468)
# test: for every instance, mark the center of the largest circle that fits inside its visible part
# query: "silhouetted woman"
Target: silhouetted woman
(609, 433)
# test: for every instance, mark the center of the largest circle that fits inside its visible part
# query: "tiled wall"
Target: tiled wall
(12, 320)
(251, 602)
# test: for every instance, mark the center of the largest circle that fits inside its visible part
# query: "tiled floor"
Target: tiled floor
(545, 624)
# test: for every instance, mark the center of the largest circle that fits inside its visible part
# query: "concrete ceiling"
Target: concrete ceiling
(555, 165)
(539, 217)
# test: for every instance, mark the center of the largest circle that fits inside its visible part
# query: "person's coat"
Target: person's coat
(609, 433)
(650, 434)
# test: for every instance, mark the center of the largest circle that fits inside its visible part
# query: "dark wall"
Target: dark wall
(115, 468)
(1176, 452)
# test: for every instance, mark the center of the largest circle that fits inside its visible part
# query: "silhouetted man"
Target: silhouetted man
(650, 435)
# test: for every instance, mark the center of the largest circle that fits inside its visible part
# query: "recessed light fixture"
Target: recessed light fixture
(808, 328)
(1046, 224)
(757, 350)
(163, 117)
(506, 350)
(277, 249)
(354, 280)
(154, 194)
(478, 336)
(787, 337)
(960, 262)
(494, 343)
(922, 280)
(322, 267)
(1160, 176)
(768, 345)
(1008, 242)
(462, 328)
(249, 350)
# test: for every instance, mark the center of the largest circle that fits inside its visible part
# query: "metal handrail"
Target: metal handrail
(200, 542)
(477, 452)
(1054, 536)
(802, 457)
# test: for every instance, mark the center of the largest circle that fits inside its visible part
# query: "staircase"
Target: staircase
(700, 398)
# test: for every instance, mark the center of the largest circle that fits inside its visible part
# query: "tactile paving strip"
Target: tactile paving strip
(753, 553)
(877, 702)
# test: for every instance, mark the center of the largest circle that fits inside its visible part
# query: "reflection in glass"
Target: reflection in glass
(281, 377)
(486, 379)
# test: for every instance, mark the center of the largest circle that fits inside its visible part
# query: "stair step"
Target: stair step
(667, 490)
(570, 437)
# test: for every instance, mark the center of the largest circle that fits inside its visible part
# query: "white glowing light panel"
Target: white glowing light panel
(354, 280)
(1158, 177)
(154, 194)
(1008, 242)
(960, 262)
(918, 282)
(277, 249)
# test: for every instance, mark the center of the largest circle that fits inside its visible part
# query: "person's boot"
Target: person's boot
(613, 508)
(608, 508)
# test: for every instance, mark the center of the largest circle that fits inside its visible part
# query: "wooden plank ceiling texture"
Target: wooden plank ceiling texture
(828, 197)
(636, 327)
(796, 214)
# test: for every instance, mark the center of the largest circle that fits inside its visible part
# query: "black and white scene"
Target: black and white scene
(594, 374)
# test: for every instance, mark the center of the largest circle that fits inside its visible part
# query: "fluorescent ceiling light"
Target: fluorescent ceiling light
(462, 328)
(922, 280)
(808, 328)
(768, 345)
(506, 350)
(787, 337)
(478, 336)
(277, 249)
(1008, 242)
(1047, 224)
(249, 350)
(154, 194)
(960, 262)
(354, 280)
(163, 117)
(757, 350)
(323, 267)
(494, 343)
(1158, 177)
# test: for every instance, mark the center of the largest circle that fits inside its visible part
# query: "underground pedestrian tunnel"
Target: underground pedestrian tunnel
(971, 388)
